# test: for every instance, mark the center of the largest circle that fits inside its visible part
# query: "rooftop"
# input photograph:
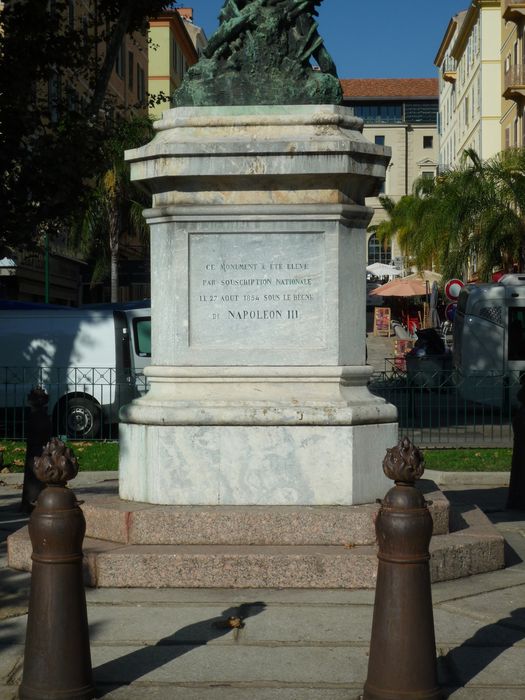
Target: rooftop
(390, 88)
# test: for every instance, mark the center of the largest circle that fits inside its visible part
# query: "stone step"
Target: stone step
(109, 518)
(475, 547)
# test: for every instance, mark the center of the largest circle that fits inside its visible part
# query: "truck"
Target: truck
(489, 341)
(90, 360)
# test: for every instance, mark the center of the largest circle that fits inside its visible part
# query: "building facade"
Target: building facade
(175, 44)
(468, 60)
(401, 114)
(512, 60)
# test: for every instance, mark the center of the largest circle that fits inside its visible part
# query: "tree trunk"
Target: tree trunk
(114, 276)
(114, 239)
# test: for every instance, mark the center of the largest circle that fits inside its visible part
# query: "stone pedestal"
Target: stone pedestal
(258, 377)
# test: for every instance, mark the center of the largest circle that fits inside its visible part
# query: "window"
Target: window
(507, 137)
(379, 140)
(130, 69)
(175, 56)
(141, 83)
(378, 252)
(427, 174)
(142, 336)
(71, 14)
(72, 99)
(428, 141)
(515, 132)
(54, 95)
(379, 112)
(507, 63)
(119, 61)
(516, 336)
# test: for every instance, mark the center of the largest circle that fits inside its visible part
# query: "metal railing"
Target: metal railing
(438, 408)
(515, 76)
(84, 402)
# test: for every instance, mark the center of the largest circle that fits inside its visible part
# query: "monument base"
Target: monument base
(256, 436)
(254, 465)
(138, 545)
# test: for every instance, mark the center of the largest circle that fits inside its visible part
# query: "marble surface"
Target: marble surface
(258, 378)
(254, 465)
(241, 291)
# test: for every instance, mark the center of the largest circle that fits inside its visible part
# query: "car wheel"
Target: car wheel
(82, 419)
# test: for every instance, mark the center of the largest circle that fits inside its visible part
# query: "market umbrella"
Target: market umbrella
(382, 270)
(406, 287)
(425, 275)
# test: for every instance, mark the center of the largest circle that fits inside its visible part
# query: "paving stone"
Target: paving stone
(197, 596)
(506, 605)
(310, 665)
(299, 624)
(8, 692)
(11, 658)
(225, 692)
(454, 629)
(490, 666)
(493, 693)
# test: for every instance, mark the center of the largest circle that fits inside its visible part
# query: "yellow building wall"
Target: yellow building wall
(512, 55)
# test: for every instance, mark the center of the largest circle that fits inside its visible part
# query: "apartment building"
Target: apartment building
(470, 91)
(512, 59)
(175, 45)
(402, 114)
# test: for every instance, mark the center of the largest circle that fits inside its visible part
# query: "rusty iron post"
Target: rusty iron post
(402, 662)
(57, 661)
(39, 433)
(516, 494)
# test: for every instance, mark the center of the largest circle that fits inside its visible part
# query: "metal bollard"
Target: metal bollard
(402, 662)
(39, 432)
(57, 661)
(516, 494)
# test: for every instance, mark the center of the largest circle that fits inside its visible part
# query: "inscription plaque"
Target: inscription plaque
(257, 290)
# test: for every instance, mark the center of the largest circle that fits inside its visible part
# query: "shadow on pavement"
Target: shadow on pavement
(469, 659)
(127, 669)
(13, 584)
(493, 502)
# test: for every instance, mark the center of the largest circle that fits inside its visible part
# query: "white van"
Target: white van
(489, 340)
(89, 360)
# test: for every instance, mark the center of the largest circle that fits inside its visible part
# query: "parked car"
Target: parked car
(489, 341)
(90, 361)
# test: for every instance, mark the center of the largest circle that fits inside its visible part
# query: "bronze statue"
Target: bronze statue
(262, 54)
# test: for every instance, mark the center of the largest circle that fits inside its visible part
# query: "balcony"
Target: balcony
(514, 11)
(514, 83)
(449, 71)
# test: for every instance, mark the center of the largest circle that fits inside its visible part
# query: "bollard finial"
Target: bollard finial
(404, 463)
(57, 465)
(37, 398)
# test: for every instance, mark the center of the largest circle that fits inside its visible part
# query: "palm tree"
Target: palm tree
(404, 218)
(474, 211)
(114, 206)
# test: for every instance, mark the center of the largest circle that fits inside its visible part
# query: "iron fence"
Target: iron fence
(84, 402)
(445, 408)
(436, 407)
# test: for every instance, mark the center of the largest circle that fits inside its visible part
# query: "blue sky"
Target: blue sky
(374, 39)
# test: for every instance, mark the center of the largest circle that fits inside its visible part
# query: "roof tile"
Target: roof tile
(390, 87)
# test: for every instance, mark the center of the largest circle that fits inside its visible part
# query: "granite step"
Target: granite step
(109, 518)
(474, 546)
